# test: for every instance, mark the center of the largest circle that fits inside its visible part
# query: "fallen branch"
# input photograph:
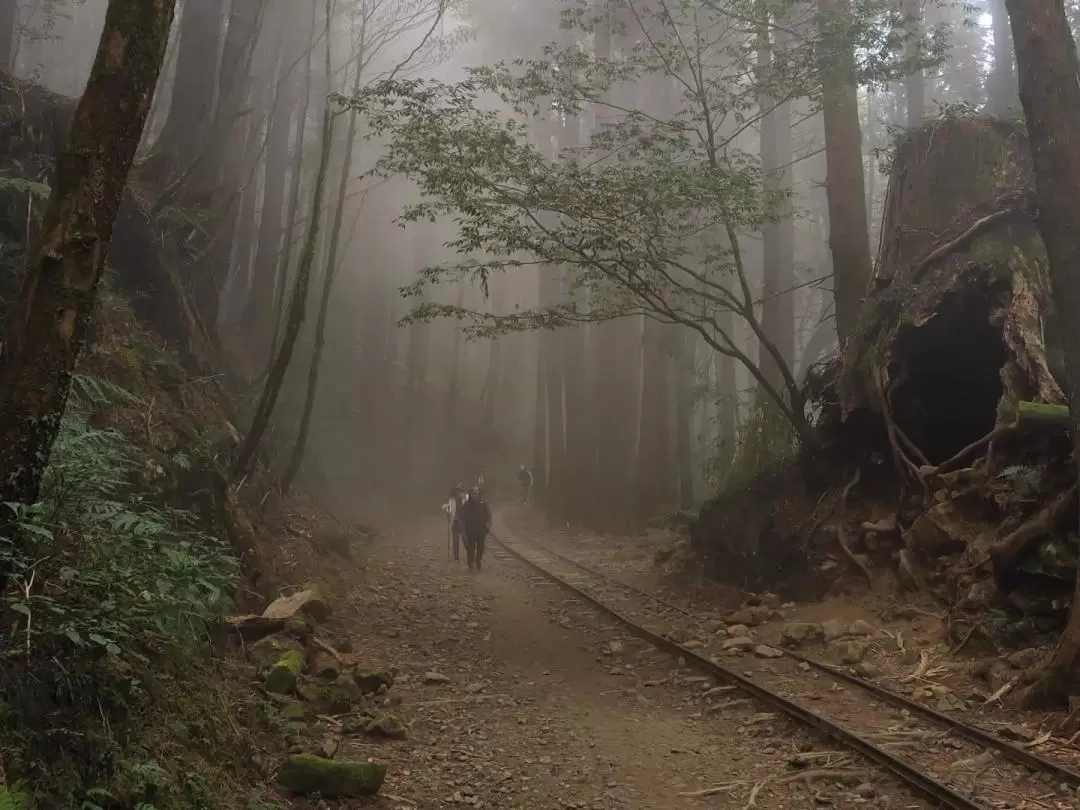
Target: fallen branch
(712, 791)
(322, 645)
(836, 774)
(957, 460)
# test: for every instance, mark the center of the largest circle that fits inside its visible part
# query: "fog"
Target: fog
(634, 404)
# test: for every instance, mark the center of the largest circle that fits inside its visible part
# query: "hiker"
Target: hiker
(480, 481)
(476, 517)
(453, 507)
(525, 478)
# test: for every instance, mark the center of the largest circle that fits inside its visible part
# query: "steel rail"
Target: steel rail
(923, 783)
(975, 734)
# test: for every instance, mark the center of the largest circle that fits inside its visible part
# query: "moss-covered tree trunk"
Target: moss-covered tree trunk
(950, 336)
(47, 331)
(1047, 67)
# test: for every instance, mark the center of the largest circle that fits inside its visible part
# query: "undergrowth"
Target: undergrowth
(765, 441)
(106, 608)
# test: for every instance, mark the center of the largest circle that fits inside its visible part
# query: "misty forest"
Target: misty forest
(599, 404)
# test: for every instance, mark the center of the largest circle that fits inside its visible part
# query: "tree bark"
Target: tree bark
(192, 102)
(46, 334)
(8, 16)
(849, 237)
(1050, 94)
(298, 305)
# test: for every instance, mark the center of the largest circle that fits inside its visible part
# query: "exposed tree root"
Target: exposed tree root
(1006, 554)
(1009, 204)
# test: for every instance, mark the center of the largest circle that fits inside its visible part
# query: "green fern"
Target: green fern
(92, 392)
(23, 185)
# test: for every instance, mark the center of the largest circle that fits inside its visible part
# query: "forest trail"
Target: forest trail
(536, 710)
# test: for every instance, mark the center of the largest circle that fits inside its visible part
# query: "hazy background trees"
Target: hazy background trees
(265, 180)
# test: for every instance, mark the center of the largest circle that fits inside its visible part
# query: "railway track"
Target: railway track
(944, 760)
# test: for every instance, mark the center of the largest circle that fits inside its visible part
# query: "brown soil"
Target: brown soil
(546, 706)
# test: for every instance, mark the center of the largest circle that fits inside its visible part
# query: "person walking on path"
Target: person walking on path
(453, 509)
(476, 517)
(525, 478)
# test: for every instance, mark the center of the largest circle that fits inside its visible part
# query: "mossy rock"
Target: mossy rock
(370, 680)
(385, 724)
(336, 697)
(306, 774)
(283, 675)
(325, 666)
(294, 710)
(267, 651)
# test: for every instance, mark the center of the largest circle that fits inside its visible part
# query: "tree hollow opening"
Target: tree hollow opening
(949, 375)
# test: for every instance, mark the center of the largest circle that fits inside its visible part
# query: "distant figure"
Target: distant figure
(480, 481)
(453, 509)
(476, 516)
(525, 478)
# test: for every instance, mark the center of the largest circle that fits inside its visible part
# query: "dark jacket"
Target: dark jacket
(476, 516)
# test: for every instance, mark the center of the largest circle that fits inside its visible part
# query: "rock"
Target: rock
(293, 711)
(849, 651)
(615, 647)
(861, 627)
(336, 697)
(737, 630)
(370, 680)
(435, 678)
(308, 602)
(796, 633)
(266, 652)
(325, 667)
(834, 629)
(714, 627)
(281, 678)
(762, 651)
(950, 703)
(305, 774)
(866, 670)
(864, 790)
(692, 644)
(251, 628)
(750, 616)
(937, 532)
(1025, 659)
(385, 724)
(739, 643)
(1017, 733)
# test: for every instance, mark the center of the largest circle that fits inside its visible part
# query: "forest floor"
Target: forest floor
(514, 696)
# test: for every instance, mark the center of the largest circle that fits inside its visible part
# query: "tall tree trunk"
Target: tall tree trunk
(259, 310)
(915, 83)
(333, 262)
(849, 236)
(490, 397)
(298, 303)
(8, 16)
(556, 416)
(684, 416)
(192, 102)
(241, 36)
(295, 189)
(727, 401)
(541, 456)
(48, 328)
(1001, 88)
(652, 468)
(778, 250)
(452, 393)
(1050, 93)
